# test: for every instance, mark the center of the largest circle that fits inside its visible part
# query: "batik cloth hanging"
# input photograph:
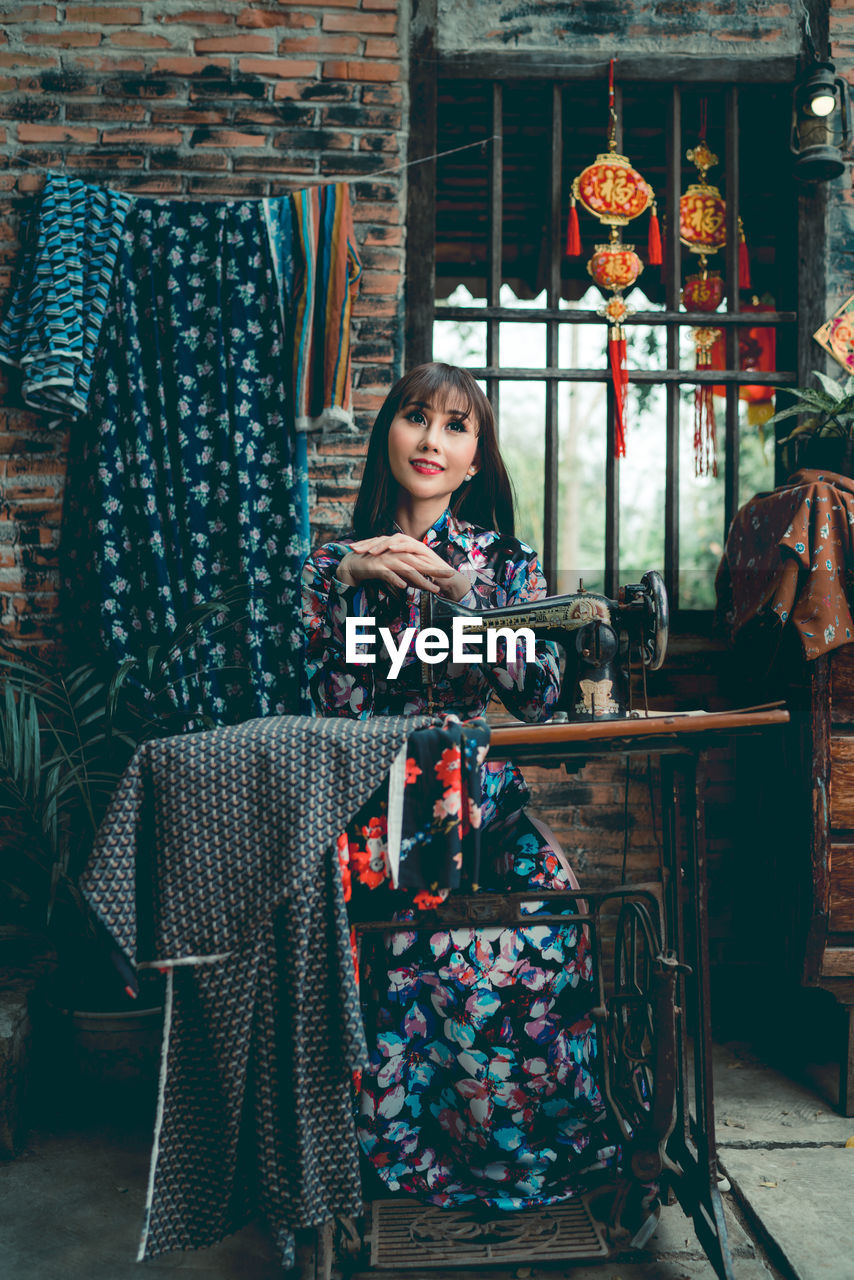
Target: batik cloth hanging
(53, 319)
(189, 477)
(182, 482)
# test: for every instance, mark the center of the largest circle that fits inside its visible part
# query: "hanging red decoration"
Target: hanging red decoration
(704, 292)
(610, 188)
(757, 350)
(654, 240)
(615, 193)
(573, 234)
(743, 258)
(615, 267)
(702, 227)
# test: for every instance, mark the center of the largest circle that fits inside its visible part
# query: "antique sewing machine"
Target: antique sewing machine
(598, 637)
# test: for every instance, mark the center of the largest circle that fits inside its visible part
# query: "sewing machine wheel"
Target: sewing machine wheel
(657, 625)
(632, 1038)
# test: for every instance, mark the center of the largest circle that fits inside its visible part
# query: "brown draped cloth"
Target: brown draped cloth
(789, 553)
(217, 861)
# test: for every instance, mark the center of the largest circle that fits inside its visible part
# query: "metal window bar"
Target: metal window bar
(671, 319)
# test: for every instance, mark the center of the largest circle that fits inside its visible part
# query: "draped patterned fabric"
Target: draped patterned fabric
(193, 333)
(53, 321)
(183, 489)
(216, 862)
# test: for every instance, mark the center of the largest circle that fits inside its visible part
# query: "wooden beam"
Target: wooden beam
(571, 66)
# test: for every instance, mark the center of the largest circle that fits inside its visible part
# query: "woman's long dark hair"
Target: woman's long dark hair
(485, 500)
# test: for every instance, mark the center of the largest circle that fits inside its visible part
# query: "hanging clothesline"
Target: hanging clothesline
(348, 179)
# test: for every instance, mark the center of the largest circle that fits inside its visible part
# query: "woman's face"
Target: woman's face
(431, 448)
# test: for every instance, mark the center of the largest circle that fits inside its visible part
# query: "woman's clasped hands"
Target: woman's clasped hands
(401, 561)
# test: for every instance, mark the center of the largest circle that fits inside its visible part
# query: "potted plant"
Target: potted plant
(823, 440)
(65, 740)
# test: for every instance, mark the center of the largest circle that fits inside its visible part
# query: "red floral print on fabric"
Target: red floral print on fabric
(412, 772)
(448, 767)
(369, 863)
(343, 850)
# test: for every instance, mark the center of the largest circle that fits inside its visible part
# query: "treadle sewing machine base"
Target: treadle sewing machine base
(650, 1008)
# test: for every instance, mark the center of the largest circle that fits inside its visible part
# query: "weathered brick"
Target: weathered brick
(235, 44)
(227, 138)
(287, 68)
(26, 60)
(280, 164)
(385, 142)
(97, 162)
(381, 49)
(189, 66)
(361, 71)
(275, 18)
(148, 137)
(104, 112)
(103, 15)
(198, 17)
(319, 44)
(67, 40)
(30, 13)
(55, 133)
(138, 40)
(370, 23)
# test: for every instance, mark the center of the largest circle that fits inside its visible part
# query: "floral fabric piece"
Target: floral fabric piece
(481, 1081)
(789, 554)
(184, 486)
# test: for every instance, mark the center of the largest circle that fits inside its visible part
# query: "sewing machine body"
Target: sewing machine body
(597, 636)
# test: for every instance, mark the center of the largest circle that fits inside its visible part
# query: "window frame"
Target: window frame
(797, 353)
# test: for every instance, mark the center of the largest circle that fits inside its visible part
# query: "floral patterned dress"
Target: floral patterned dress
(481, 1083)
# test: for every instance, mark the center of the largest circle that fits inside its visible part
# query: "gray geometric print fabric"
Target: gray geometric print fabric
(222, 843)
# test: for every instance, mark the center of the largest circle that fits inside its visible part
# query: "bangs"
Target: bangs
(445, 387)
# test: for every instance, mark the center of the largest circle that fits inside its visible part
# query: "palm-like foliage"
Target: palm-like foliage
(829, 409)
(65, 740)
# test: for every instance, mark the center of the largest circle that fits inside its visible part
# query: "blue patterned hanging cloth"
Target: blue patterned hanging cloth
(53, 320)
(186, 490)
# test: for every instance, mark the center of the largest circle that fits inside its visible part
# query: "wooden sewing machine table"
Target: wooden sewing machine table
(650, 1009)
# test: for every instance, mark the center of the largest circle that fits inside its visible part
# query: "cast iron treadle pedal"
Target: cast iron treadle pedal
(406, 1234)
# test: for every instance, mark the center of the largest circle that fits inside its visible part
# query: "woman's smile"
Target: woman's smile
(426, 467)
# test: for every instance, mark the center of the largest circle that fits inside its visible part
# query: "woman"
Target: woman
(481, 1081)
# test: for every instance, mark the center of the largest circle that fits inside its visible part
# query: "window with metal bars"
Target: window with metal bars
(525, 318)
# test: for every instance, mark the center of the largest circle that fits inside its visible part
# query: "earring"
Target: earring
(467, 479)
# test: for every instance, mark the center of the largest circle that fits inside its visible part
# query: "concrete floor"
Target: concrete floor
(71, 1204)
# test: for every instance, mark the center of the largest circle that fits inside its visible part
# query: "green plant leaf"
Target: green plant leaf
(833, 388)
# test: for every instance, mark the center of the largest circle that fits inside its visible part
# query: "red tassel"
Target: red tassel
(654, 242)
(573, 234)
(743, 259)
(620, 379)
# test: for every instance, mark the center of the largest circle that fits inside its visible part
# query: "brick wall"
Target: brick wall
(198, 100)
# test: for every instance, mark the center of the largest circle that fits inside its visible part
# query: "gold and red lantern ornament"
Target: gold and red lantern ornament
(615, 193)
(702, 227)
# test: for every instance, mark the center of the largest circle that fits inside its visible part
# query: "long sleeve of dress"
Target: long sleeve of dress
(338, 688)
(529, 690)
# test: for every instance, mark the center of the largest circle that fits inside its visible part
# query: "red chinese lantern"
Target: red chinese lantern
(613, 191)
(615, 266)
